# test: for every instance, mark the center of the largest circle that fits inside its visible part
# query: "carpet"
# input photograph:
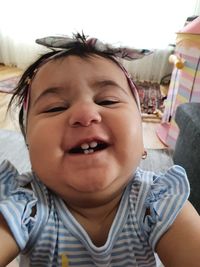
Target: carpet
(13, 148)
(149, 94)
(158, 160)
(150, 97)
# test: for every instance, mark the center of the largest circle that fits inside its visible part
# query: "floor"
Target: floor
(9, 121)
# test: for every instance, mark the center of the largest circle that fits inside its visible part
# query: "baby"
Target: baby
(86, 202)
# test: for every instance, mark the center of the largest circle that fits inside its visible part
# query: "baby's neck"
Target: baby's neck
(97, 221)
(96, 213)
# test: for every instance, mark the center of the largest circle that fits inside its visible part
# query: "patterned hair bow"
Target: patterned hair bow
(65, 42)
(61, 44)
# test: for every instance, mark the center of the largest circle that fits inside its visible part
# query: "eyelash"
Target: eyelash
(55, 109)
(107, 102)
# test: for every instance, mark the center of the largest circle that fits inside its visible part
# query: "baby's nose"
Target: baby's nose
(84, 115)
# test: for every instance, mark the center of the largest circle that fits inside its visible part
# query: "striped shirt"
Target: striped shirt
(53, 237)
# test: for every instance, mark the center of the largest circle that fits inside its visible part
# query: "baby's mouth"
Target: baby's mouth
(88, 147)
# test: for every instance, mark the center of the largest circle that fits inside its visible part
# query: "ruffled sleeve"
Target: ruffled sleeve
(166, 197)
(17, 202)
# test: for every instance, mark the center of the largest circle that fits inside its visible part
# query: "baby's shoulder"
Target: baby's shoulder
(158, 198)
(23, 203)
(150, 187)
(10, 177)
(171, 179)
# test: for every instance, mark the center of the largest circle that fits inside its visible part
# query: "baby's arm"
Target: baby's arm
(180, 245)
(8, 247)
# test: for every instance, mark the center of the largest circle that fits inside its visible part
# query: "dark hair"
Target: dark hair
(78, 48)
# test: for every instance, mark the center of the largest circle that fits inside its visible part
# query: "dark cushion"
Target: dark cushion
(187, 149)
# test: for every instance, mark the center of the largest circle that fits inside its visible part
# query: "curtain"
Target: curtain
(141, 23)
(197, 7)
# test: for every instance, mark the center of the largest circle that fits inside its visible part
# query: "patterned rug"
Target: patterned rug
(6, 86)
(149, 93)
(150, 97)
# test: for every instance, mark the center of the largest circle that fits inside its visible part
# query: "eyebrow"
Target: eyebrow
(60, 90)
(49, 91)
(107, 82)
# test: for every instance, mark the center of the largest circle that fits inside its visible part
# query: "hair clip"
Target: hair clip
(28, 80)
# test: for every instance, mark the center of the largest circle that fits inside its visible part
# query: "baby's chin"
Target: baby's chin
(91, 200)
(93, 185)
(91, 195)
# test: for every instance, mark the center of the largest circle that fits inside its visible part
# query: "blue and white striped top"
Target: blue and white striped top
(53, 237)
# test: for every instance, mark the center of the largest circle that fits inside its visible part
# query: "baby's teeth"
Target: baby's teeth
(88, 151)
(93, 144)
(88, 148)
(85, 146)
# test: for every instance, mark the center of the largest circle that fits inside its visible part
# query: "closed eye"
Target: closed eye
(55, 109)
(107, 102)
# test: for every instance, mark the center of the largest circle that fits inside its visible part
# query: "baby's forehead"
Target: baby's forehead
(74, 67)
(90, 59)
(70, 67)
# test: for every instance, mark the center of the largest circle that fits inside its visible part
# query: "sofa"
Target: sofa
(187, 148)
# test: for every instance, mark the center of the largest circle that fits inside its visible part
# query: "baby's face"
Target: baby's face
(84, 129)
